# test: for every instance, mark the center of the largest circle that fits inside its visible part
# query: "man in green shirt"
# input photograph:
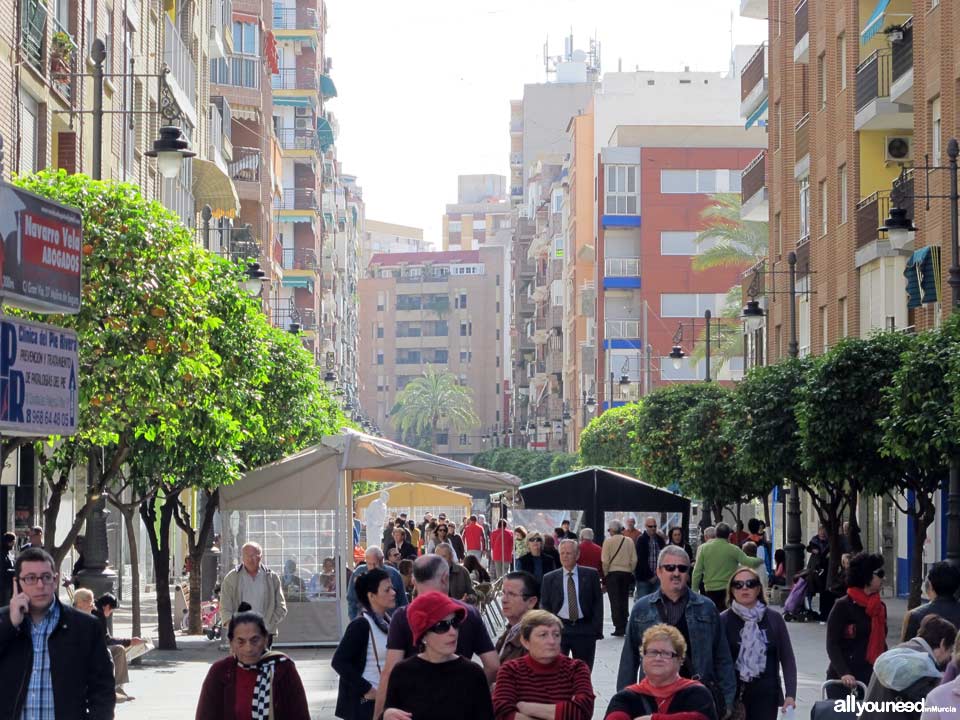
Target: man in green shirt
(717, 561)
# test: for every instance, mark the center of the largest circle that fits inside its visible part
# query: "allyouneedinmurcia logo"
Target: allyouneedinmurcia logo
(892, 707)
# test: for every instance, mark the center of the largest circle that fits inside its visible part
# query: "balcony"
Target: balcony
(875, 109)
(64, 54)
(754, 199)
(33, 33)
(753, 82)
(621, 273)
(801, 33)
(872, 212)
(756, 9)
(296, 79)
(516, 191)
(298, 139)
(299, 259)
(525, 305)
(221, 19)
(246, 165)
(555, 317)
(516, 158)
(295, 18)
(901, 84)
(285, 317)
(621, 330)
(222, 115)
(526, 267)
(236, 71)
(182, 78)
(297, 199)
(802, 140)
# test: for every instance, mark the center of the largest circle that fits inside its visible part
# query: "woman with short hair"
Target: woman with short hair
(662, 692)
(252, 682)
(535, 561)
(544, 683)
(478, 573)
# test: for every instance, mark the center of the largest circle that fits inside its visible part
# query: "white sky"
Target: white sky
(424, 86)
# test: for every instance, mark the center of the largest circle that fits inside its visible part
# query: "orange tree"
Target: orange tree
(610, 439)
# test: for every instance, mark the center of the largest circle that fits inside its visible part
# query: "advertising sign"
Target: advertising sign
(38, 379)
(42, 249)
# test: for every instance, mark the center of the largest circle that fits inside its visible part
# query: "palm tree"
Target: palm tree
(434, 402)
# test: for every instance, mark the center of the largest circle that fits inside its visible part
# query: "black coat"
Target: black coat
(848, 633)
(525, 563)
(589, 595)
(349, 660)
(80, 667)
(945, 607)
(643, 572)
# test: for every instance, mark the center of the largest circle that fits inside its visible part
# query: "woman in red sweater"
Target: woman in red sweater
(543, 684)
(662, 694)
(252, 684)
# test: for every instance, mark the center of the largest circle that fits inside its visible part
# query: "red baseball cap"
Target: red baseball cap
(429, 609)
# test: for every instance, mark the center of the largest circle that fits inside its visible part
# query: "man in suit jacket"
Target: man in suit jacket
(573, 594)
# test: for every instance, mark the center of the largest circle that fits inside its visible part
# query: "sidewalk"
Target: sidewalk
(167, 683)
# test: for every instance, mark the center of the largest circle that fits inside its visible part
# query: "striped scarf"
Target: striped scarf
(263, 690)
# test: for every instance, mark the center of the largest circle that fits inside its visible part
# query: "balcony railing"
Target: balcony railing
(753, 177)
(801, 20)
(284, 317)
(621, 329)
(299, 259)
(872, 211)
(873, 78)
(902, 51)
(177, 57)
(621, 267)
(246, 165)
(803, 137)
(555, 316)
(297, 199)
(33, 32)
(295, 18)
(297, 139)
(296, 79)
(215, 128)
(63, 61)
(753, 72)
(236, 71)
(223, 108)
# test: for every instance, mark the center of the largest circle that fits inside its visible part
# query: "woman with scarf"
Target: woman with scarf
(253, 683)
(761, 647)
(662, 692)
(857, 625)
(360, 656)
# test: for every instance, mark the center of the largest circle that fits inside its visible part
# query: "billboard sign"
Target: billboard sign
(38, 379)
(42, 251)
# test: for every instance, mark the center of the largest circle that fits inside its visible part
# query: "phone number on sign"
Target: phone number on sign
(47, 417)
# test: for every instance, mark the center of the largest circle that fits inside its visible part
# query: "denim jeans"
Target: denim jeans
(645, 587)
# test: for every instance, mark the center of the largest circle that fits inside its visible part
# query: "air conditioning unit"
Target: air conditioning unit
(302, 123)
(898, 148)
(303, 112)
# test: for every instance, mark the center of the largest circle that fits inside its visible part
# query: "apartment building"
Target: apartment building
(481, 209)
(436, 308)
(384, 237)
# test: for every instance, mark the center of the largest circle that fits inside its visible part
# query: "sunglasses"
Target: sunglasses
(444, 626)
(535, 540)
(675, 568)
(651, 527)
(752, 583)
(879, 573)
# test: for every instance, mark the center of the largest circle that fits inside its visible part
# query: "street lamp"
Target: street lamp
(624, 381)
(677, 354)
(255, 278)
(170, 150)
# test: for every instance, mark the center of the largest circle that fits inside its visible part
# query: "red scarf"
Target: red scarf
(877, 612)
(663, 694)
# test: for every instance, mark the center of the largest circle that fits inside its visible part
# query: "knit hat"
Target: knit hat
(429, 609)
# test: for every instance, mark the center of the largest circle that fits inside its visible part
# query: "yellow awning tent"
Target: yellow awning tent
(409, 497)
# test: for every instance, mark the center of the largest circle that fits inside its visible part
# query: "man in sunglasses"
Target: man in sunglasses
(648, 547)
(674, 603)
(53, 658)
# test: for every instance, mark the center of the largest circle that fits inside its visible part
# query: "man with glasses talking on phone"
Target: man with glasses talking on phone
(53, 658)
(695, 616)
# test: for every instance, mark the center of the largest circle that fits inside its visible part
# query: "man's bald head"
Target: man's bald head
(373, 557)
(431, 572)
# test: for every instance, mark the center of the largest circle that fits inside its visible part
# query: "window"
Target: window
(778, 336)
(441, 356)
(804, 208)
(822, 79)
(498, 361)
(464, 439)
(777, 124)
(443, 438)
(683, 242)
(381, 301)
(245, 38)
(379, 330)
(842, 60)
(497, 388)
(621, 196)
(936, 138)
(842, 193)
(498, 279)
(699, 181)
(29, 157)
(460, 301)
(558, 199)
(685, 305)
(498, 307)
(823, 208)
(824, 329)
(778, 229)
(803, 322)
(498, 333)
(454, 226)
(463, 329)
(842, 313)
(379, 357)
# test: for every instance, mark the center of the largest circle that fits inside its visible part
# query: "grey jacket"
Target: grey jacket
(274, 605)
(709, 651)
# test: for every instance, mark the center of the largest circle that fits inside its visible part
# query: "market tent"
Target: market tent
(597, 491)
(299, 509)
(415, 499)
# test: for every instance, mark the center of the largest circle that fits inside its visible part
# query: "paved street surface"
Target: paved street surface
(167, 684)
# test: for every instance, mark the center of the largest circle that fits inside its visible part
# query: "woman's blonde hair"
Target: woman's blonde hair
(537, 618)
(662, 631)
(761, 597)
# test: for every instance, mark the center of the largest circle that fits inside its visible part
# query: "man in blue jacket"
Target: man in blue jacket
(373, 558)
(695, 616)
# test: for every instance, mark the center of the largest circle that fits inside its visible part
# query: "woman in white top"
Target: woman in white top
(360, 656)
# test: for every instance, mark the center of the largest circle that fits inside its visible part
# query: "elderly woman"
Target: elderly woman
(544, 683)
(857, 625)
(252, 682)
(361, 654)
(760, 646)
(437, 683)
(662, 692)
(535, 562)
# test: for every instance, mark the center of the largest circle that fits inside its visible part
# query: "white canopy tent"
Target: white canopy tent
(300, 509)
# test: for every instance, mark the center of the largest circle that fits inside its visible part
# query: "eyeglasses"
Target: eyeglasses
(46, 579)
(651, 527)
(444, 626)
(752, 583)
(507, 593)
(879, 573)
(539, 540)
(662, 654)
(675, 568)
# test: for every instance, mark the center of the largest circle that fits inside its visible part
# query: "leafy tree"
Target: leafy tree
(610, 439)
(921, 430)
(528, 465)
(733, 242)
(726, 334)
(434, 402)
(563, 463)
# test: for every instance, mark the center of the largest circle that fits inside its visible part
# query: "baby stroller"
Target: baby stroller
(794, 609)
(210, 615)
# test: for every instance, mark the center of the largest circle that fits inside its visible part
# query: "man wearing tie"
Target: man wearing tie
(573, 594)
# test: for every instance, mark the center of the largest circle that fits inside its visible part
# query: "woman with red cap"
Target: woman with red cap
(437, 683)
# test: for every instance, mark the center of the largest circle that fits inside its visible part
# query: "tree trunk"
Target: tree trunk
(923, 512)
(130, 518)
(856, 543)
(160, 549)
(196, 546)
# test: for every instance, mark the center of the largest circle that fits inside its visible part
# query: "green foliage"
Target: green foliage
(434, 402)
(610, 440)
(736, 242)
(563, 463)
(528, 465)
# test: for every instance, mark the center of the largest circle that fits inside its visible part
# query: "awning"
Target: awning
(923, 276)
(324, 133)
(245, 112)
(757, 114)
(874, 22)
(295, 217)
(327, 88)
(213, 187)
(292, 101)
(297, 281)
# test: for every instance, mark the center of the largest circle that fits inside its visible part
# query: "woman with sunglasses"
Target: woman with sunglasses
(760, 646)
(535, 561)
(662, 693)
(857, 625)
(544, 683)
(436, 684)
